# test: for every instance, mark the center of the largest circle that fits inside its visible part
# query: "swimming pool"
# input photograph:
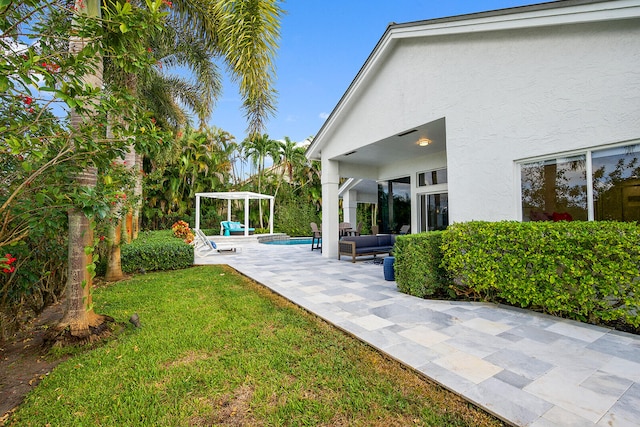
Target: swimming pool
(292, 241)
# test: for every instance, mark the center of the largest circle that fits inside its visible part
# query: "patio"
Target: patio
(527, 368)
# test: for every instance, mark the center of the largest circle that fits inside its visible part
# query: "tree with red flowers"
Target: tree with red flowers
(52, 63)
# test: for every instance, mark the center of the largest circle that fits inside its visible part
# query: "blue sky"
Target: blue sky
(322, 47)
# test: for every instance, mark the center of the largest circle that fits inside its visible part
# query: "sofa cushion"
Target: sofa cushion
(368, 249)
(386, 239)
(362, 241)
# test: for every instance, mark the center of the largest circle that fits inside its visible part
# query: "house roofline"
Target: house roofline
(519, 17)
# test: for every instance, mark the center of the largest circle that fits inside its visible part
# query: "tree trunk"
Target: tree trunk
(137, 193)
(260, 191)
(134, 163)
(79, 314)
(114, 238)
(80, 321)
(114, 261)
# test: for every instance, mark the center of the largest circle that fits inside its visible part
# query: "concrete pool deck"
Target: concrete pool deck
(526, 368)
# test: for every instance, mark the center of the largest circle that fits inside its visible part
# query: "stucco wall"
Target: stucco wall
(506, 96)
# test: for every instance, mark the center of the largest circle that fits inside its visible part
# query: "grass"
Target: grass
(218, 349)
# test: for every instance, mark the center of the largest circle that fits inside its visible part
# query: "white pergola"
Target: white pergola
(237, 195)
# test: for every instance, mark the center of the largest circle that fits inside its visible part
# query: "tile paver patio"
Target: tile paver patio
(527, 368)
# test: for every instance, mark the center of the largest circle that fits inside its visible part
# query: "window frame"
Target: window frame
(587, 152)
(423, 187)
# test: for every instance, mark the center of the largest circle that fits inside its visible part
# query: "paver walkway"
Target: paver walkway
(529, 369)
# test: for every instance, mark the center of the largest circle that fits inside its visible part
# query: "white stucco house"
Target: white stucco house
(528, 113)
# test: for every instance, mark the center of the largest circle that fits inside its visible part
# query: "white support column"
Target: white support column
(271, 201)
(246, 215)
(228, 209)
(197, 212)
(350, 207)
(330, 182)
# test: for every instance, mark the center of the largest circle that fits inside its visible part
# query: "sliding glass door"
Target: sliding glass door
(433, 211)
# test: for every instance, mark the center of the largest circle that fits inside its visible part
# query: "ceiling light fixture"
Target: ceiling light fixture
(424, 141)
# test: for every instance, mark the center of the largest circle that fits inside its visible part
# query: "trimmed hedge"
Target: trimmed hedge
(587, 271)
(157, 250)
(417, 265)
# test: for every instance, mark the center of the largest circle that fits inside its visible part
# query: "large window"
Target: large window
(616, 184)
(599, 184)
(554, 189)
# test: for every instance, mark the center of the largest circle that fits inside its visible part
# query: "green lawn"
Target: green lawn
(218, 349)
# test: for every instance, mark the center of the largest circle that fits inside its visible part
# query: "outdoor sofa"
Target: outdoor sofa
(228, 228)
(355, 246)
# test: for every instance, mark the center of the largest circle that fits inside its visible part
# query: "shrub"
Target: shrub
(293, 216)
(38, 279)
(417, 265)
(587, 271)
(181, 230)
(157, 250)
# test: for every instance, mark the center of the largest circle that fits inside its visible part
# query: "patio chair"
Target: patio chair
(316, 237)
(358, 229)
(204, 247)
(345, 229)
(405, 229)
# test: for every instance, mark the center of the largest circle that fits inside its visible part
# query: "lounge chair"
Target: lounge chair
(405, 229)
(203, 246)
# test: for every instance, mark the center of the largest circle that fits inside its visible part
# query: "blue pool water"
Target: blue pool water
(294, 241)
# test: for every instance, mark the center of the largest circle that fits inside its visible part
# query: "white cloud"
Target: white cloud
(323, 115)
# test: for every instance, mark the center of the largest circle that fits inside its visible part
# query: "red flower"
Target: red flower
(6, 265)
(102, 238)
(54, 68)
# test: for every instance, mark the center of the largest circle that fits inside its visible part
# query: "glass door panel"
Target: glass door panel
(434, 211)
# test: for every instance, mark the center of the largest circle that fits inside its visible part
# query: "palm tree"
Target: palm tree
(291, 157)
(244, 34)
(226, 153)
(258, 149)
(79, 314)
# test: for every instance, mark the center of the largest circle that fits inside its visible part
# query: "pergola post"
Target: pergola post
(197, 212)
(246, 215)
(271, 200)
(228, 209)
